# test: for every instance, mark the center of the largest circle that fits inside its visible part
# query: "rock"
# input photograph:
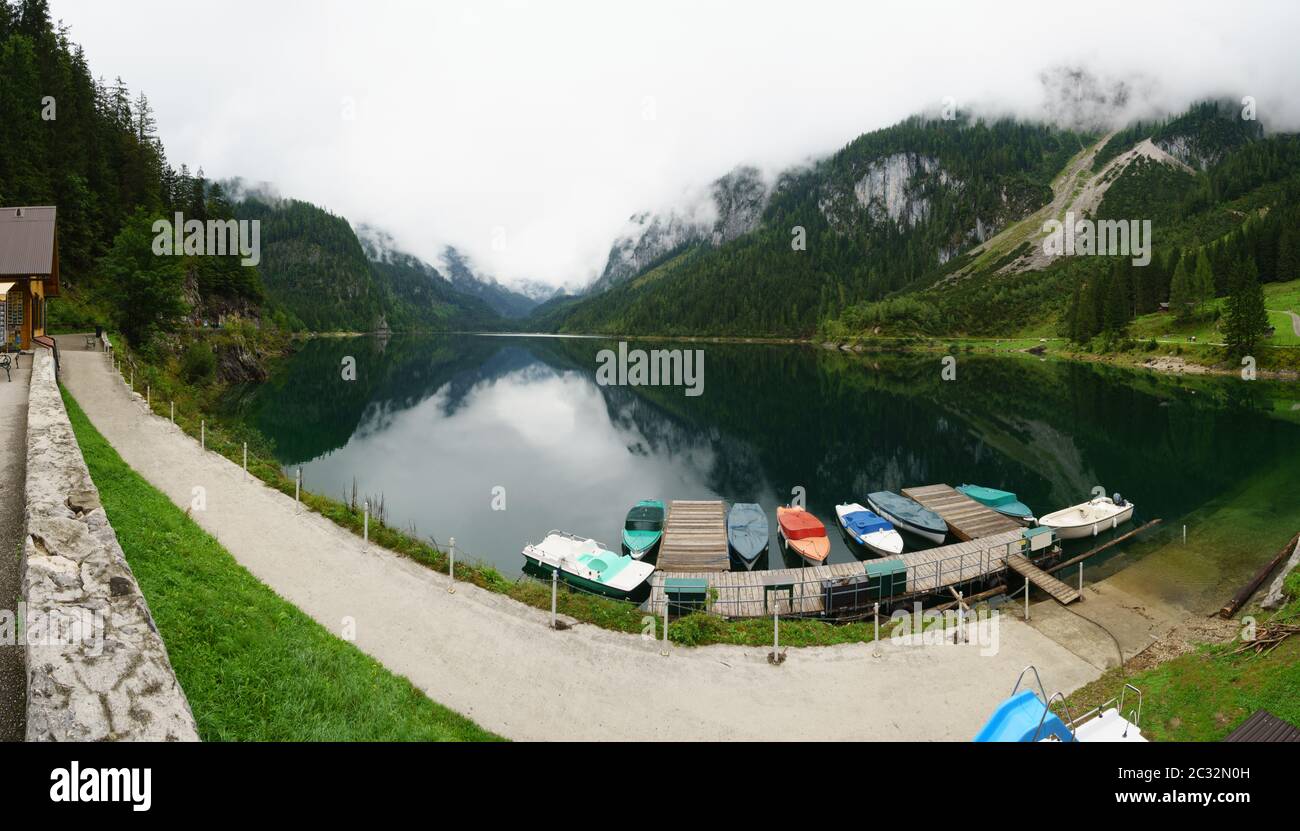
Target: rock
(97, 670)
(1276, 597)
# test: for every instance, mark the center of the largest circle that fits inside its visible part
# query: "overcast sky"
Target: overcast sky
(544, 125)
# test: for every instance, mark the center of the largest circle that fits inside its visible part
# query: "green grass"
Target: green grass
(253, 666)
(1278, 298)
(1206, 694)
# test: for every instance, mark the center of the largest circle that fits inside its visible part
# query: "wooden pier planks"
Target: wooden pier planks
(1063, 593)
(695, 538)
(740, 594)
(966, 518)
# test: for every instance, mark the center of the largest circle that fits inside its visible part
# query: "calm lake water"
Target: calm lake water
(447, 428)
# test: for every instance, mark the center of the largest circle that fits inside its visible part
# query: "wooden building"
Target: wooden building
(29, 273)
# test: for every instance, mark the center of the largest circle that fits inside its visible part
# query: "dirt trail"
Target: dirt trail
(13, 469)
(497, 662)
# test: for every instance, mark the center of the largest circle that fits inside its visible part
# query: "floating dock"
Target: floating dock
(695, 538)
(800, 591)
(966, 518)
(1064, 594)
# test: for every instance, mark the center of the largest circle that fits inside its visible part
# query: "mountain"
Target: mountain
(890, 208)
(504, 301)
(732, 206)
(428, 298)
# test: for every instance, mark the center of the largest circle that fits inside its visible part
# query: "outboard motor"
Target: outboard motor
(1118, 500)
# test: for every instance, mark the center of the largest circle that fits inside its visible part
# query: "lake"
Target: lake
(495, 440)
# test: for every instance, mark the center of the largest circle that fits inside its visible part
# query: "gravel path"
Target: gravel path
(497, 662)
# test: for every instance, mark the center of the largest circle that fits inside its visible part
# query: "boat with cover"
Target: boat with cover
(1004, 502)
(588, 565)
(643, 529)
(868, 530)
(747, 534)
(909, 515)
(804, 534)
(1090, 518)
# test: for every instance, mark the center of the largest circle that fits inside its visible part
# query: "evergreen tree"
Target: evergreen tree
(1246, 322)
(1181, 295)
(1202, 282)
(146, 288)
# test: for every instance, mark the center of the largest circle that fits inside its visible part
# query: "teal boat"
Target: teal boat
(1004, 502)
(643, 529)
(587, 565)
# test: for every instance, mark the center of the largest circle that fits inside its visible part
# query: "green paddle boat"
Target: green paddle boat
(643, 529)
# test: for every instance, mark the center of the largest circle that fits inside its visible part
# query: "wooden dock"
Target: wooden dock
(966, 518)
(695, 538)
(1057, 589)
(747, 594)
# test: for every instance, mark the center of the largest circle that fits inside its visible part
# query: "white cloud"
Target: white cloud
(553, 122)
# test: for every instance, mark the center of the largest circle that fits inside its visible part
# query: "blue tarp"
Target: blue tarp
(865, 522)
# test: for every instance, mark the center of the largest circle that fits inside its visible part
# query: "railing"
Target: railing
(806, 591)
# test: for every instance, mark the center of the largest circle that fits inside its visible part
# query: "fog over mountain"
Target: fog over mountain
(529, 135)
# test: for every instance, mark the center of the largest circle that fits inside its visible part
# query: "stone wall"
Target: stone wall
(96, 667)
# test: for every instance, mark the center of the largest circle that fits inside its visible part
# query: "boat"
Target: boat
(747, 534)
(1089, 518)
(643, 529)
(868, 530)
(804, 534)
(908, 515)
(588, 565)
(1026, 716)
(1004, 502)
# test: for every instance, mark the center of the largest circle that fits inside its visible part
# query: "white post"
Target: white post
(173, 416)
(245, 460)
(203, 434)
(555, 587)
(365, 523)
(133, 378)
(297, 489)
(875, 644)
(148, 395)
(1184, 535)
(1026, 598)
(665, 650)
(451, 564)
(776, 633)
(1081, 581)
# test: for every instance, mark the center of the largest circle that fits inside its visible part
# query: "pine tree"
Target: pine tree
(1202, 282)
(1246, 322)
(1181, 296)
(1288, 253)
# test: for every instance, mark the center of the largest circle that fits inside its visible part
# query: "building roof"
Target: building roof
(1263, 726)
(27, 242)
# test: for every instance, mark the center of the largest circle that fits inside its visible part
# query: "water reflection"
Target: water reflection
(437, 424)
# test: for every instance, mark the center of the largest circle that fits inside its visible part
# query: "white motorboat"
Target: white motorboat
(1089, 518)
(869, 530)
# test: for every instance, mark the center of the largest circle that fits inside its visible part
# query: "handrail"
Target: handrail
(1122, 693)
(1037, 678)
(1047, 708)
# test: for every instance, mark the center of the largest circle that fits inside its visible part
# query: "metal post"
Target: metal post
(555, 588)
(1184, 535)
(1026, 598)
(776, 632)
(451, 564)
(245, 460)
(365, 523)
(148, 395)
(665, 649)
(132, 378)
(1081, 581)
(173, 416)
(203, 434)
(875, 644)
(297, 489)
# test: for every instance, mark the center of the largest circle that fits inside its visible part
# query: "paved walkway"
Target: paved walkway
(498, 663)
(13, 471)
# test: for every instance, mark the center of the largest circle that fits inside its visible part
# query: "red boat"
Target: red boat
(804, 534)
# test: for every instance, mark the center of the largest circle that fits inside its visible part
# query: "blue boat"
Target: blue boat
(1004, 502)
(909, 515)
(747, 534)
